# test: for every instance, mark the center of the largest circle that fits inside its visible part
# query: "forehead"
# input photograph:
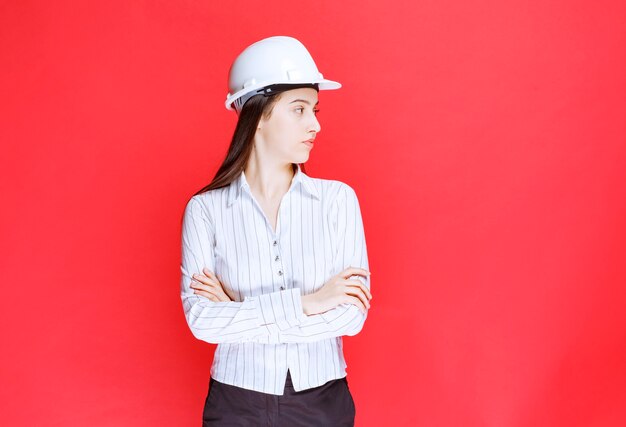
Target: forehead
(304, 94)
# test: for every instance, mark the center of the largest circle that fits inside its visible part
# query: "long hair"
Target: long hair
(234, 163)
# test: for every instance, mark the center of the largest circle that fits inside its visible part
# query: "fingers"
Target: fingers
(360, 284)
(202, 283)
(356, 301)
(358, 293)
(209, 287)
(210, 274)
(210, 281)
(352, 271)
(207, 294)
(209, 291)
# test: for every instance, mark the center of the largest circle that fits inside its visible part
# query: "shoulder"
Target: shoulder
(207, 199)
(197, 201)
(194, 209)
(334, 190)
(199, 205)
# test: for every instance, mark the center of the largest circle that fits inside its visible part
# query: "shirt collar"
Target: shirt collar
(300, 178)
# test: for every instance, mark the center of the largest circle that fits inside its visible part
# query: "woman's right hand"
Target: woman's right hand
(338, 290)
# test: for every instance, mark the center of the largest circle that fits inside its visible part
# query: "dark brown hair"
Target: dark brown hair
(241, 143)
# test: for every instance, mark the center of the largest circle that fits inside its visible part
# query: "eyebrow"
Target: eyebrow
(304, 100)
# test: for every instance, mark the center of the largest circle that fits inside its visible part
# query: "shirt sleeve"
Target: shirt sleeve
(351, 251)
(256, 319)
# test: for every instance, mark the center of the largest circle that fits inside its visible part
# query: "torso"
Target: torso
(250, 235)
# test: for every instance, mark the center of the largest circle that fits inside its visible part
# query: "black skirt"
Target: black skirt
(330, 404)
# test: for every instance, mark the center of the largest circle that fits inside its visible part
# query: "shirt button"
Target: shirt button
(276, 259)
(282, 288)
(280, 273)
(275, 243)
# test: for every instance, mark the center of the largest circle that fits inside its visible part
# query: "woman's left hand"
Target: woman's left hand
(209, 286)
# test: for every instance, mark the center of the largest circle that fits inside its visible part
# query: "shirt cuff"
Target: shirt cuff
(283, 308)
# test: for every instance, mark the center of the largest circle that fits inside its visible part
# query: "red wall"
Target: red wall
(486, 141)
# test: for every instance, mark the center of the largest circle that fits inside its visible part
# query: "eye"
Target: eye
(315, 110)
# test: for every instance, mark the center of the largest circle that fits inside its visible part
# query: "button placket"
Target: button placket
(277, 259)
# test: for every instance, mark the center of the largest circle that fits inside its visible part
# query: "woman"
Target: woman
(274, 262)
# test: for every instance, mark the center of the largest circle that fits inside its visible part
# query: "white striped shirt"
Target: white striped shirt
(264, 331)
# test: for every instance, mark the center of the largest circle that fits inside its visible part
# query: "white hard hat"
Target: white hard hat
(274, 60)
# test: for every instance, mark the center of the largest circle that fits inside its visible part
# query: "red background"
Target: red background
(486, 141)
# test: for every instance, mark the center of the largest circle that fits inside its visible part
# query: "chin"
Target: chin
(301, 159)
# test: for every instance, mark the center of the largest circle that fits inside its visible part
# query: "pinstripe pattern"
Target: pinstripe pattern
(264, 332)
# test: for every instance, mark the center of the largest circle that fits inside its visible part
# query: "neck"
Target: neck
(269, 182)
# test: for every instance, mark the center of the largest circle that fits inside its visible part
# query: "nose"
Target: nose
(315, 126)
